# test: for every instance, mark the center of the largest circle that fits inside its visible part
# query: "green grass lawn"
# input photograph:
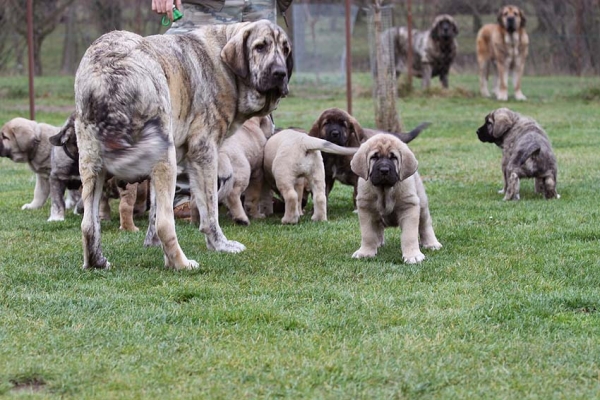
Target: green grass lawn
(509, 308)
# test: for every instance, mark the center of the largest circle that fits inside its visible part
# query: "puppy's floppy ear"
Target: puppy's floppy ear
(454, 26)
(25, 134)
(315, 131)
(360, 163)
(408, 162)
(357, 129)
(433, 33)
(523, 19)
(499, 17)
(504, 119)
(66, 132)
(289, 64)
(235, 54)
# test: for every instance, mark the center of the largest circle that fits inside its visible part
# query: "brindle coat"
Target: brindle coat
(142, 104)
(391, 194)
(526, 152)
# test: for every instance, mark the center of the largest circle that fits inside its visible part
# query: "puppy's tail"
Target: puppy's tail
(313, 143)
(530, 150)
(407, 137)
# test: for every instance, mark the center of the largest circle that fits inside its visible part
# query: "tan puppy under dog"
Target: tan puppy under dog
(241, 169)
(505, 46)
(292, 163)
(526, 152)
(391, 194)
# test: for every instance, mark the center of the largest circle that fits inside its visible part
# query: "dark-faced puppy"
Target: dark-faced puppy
(503, 46)
(143, 104)
(391, 194)
(339, 127)
(434, 50)
(526, 152)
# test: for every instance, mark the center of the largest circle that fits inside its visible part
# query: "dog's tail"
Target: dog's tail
(313, 143)
(407, 137)
(531, 149)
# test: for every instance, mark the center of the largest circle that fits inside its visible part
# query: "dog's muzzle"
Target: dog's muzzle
(384, 173)
(335, 135)
(484, 135)
(276, 81)
(511, 24)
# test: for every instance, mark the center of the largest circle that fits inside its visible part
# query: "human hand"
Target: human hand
(165, 7)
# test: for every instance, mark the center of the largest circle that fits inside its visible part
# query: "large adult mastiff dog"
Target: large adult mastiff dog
(143, 104)
(526, 152)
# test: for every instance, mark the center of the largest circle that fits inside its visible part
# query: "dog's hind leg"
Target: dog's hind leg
(92, 183)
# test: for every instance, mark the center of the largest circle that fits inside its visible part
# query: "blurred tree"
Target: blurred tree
(46, 16)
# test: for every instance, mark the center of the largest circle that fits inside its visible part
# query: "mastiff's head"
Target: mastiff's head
(497, 124)
(339, 127)
(384, 160)
(19, 139)
(511, 18)
(261, 55)
(444, 28)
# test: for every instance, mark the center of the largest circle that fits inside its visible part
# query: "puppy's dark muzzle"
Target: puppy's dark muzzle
(3, 151)
(384, 173)
(511, 24)
(335, 136)
(484, 135)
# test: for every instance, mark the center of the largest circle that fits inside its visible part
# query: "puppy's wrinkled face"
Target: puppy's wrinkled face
(13, 133)
(511, 18)
(5, 143)
(485, 131)
(336, 130)
(270, 58)
(383, 167)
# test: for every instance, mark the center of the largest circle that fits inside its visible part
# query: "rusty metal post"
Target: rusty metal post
(409, 58)
(348, 57)
(30, 54)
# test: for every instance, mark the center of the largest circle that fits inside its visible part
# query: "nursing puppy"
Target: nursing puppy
(526, 152)
(27, 141)
(337, 126)
(293, 163)
(145, 103)
(434, 50)
(241, 169)
(505, 46)
(391, 194)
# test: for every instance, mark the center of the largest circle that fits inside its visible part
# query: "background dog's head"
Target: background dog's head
(337, 126)
(18, 139)
(511, 18)
(384, 160)
(444, 27)
(496, 125)
(261, 54)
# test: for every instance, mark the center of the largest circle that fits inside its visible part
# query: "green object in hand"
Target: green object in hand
(176, 15)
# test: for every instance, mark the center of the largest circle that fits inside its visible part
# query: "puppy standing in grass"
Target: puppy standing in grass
(526, 152)
(391, 194)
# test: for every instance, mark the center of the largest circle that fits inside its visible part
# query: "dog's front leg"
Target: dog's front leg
(516, 78)
(513, 184)
(409, 238)
(202, 168)
(427, 71)
(502, 82)
(371, 232)
(57, 193)
(40, 193)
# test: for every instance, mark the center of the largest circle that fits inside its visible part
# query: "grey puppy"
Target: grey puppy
(143, 104)
(434, 50)
(526, 152)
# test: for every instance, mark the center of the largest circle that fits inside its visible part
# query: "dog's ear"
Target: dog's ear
(315, 131)
(289, 64)
(499, 17)
(454, 27)
(408, 162)
(25, 135)
(360, 163)
(66, 133)
(504, 119)
(433, 33)
(356, 130)
(523, 19)
(235, 54)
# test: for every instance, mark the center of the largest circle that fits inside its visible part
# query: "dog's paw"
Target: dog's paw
(413, 258)
(129, 228)
(520, 96)
(361, 253)
(241, 221)
(501, 191)
(228, 246)
(101, 264)
(290, 221)
(30, 206)
(502, 96)
(187, 265)
(432, 246)
(56, 218)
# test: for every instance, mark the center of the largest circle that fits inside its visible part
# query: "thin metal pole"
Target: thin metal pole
(348, 58)
(409, 57)
(30, 54)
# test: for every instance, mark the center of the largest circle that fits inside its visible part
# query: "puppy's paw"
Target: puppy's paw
(364, 253)
(290, 220)
(432, 246)
(187, 265)
(413, 258)
(129, 228)
(30, 206)
(56, 218)
(501, 191)
(228, 246)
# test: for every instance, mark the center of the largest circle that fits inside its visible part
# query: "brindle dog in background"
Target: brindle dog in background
(434, 50)
(142, 103)
(339, 127)
(526, 152)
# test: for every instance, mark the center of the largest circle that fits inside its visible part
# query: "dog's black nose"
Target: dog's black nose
(279, 73)
(384, 170)
(334, 134)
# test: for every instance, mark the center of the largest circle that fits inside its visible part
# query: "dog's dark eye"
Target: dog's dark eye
(375, 156)
(393, 157)
(286, 50)
(260, 47)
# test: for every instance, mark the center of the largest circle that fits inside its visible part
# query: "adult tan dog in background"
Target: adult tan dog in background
(241, 169)
(27, 141)
(505, 46)
(526, 152)
(391, 194)
(337, 126)
(293, 163)
(434, 50)
(141, 102)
